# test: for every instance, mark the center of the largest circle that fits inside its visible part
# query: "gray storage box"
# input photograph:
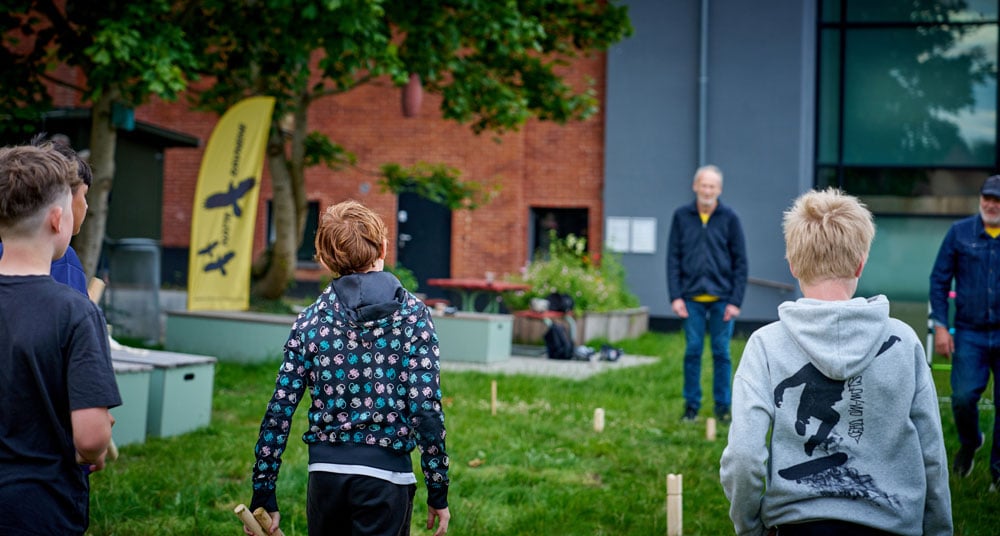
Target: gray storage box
(476, 337)
(130, 417)
(180, 389)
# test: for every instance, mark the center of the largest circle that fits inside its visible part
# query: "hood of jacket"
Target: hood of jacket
(840, 337)
(369, 296)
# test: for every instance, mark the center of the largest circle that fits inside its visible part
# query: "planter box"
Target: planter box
(612, 325)
(474, 337)
(180, 389)
(131, 416)
(229, 335)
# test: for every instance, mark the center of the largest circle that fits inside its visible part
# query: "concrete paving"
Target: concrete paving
(530, 362)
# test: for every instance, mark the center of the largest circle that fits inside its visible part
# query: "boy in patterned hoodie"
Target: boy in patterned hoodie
(367, 353)
(836, 427)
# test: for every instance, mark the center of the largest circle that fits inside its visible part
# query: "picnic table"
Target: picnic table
(469, 289)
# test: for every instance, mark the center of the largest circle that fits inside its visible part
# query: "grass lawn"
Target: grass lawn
(535, 468)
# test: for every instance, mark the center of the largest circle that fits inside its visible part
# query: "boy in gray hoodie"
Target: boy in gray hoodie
(836, 427)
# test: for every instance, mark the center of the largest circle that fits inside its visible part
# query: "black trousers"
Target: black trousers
(355, 505)
(829, 527)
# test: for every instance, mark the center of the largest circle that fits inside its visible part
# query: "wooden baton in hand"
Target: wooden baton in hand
(248, 520)
(265, 521)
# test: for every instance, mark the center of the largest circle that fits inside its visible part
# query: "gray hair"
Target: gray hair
(709, 167)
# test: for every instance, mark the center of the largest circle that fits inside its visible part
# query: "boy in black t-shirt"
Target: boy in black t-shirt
(56, 378)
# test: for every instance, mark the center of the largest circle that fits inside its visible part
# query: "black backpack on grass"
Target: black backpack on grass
(562, 303)
(557, 342)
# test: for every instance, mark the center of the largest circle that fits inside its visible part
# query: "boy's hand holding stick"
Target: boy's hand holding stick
(256, 521)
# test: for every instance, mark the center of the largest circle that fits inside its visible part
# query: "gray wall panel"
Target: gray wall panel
(651, 142)
(759, 128)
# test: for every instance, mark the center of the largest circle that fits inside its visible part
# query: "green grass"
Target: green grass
(537, 467)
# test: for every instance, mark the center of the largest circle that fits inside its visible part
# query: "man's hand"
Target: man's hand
(944, 344)
(732, 312)
(443, 515)
(679, 308)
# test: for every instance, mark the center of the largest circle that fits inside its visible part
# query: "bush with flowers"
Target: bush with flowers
(596, 283)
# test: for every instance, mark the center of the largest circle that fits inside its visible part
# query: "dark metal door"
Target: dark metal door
(423, 242)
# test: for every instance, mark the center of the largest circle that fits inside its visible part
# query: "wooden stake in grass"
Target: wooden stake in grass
(675, 510)
(710, 429)
(598, 419)
(493, 397)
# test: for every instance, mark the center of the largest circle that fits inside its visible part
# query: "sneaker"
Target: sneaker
(610, 353)
(723, 417)
(965, 458)
(690, 414)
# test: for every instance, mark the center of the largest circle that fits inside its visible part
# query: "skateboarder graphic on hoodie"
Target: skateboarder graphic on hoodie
(836, 427)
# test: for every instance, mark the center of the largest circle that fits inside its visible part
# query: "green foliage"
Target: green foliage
(436, 182)
(132, 49)
(139, 49)
(596, 284)
(320, 150)
(536, 467)
(495, 63)
(404, 275)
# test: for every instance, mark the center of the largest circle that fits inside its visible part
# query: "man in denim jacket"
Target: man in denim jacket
(970, 256)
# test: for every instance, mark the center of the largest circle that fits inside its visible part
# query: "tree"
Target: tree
(127, 52)
(493, 62)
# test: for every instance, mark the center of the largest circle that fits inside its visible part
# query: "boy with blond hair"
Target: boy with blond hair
(367, 353)
(836, 427)
(56, 378)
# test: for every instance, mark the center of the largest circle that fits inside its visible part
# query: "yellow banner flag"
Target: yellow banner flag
(225, 208)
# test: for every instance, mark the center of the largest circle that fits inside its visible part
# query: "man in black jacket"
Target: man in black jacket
(707, 276)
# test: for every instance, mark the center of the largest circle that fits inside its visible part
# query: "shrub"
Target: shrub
(596, 283)
(404, 275)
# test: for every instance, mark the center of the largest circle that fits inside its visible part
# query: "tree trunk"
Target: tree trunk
(281, 268)
(297, 166)
(289, 205)
(103, 141)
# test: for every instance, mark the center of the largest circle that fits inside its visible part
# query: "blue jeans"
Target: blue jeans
(977, 353)
(700, 316)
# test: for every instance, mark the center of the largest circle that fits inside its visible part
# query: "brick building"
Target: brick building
(543, 166)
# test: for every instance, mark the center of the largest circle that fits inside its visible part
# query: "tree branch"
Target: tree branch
(62, 83)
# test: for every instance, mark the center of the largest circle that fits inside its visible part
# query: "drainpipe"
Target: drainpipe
(703, 85)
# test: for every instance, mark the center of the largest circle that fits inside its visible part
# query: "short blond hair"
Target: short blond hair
(828, 234)
(350, 238)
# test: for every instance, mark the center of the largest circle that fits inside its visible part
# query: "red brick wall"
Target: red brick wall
(541, 165)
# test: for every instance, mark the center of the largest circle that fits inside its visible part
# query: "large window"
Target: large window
(907, 102)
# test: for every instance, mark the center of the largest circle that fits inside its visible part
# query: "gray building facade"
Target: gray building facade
(891, 101)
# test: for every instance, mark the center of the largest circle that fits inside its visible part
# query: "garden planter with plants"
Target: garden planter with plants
(603, 305)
